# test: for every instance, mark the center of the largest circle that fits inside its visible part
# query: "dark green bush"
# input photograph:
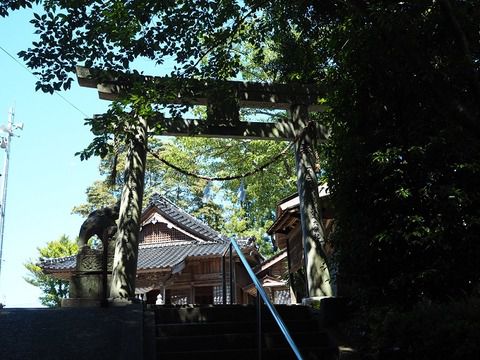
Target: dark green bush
(431, 331)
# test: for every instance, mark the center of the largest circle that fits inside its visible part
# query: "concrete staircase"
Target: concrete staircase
(230, 332)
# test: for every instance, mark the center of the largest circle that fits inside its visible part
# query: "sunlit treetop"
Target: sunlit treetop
(203, 37)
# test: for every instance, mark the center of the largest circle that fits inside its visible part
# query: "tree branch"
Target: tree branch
(462, 42)
(229, 38)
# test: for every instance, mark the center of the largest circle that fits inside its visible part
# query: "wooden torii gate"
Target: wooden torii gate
(223, 100)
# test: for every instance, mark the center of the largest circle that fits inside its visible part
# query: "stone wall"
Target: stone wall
(114, 333)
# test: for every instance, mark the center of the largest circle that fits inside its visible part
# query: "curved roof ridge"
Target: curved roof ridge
(176, 243)
(57, 260)
(184, 219)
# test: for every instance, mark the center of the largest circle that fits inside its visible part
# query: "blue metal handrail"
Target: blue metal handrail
(266, 300)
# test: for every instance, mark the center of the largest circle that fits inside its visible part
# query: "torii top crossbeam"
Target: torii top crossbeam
(222, 98)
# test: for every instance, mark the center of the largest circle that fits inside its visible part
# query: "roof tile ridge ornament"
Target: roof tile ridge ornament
(167, 244)
(178, 244)
(251, 240)
(155, 198)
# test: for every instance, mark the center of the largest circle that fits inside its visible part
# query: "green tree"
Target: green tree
(54, 290)
(403, 104)
(207, 43)
(403, 160)
(214, 202)
(99, 194)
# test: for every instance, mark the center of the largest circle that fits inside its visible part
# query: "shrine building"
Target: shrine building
(181, 260)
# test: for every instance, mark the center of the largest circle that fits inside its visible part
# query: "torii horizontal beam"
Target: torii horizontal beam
(282, 130)
(196, 92)
(225, 123)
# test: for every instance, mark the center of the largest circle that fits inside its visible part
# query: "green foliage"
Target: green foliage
(403, 160)
(431, 331)
(205, 39)
(99, 195)
(403, 105)
(54, 290)
(215, 202)
(7, 5)
(240, 226)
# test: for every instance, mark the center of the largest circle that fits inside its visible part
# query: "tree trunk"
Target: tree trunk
(318, 276)
(126, 245)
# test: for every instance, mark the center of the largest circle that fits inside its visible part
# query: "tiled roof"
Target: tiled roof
(271, 261)
(176, 215)
(162, 255)
(290, 207)
(58, 264)
(154, 257)
(150, 256)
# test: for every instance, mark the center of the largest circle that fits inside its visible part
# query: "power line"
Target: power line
(36, 77)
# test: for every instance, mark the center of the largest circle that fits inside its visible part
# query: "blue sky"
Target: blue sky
(45, 179)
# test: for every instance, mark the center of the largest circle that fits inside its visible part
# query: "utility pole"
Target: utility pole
(5, 142)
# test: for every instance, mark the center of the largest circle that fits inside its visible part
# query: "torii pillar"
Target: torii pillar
(313, 234)
(128, 232)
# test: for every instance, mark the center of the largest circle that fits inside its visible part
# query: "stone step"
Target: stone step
(223, 327)
(313, 353)
(242, 340)
(230, 331)
(216, 313)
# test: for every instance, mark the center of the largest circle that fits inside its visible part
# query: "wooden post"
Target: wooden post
(230, 267)
(224, 281)
(318, 276)
(291, 279)
(126, 245)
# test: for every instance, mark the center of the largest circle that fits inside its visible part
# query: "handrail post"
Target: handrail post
(224, 281)
(261, 292)
(231, 273)
(259, 326)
